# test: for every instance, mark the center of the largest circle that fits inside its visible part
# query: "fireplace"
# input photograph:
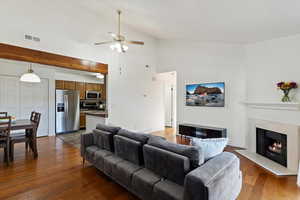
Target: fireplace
(272, 145)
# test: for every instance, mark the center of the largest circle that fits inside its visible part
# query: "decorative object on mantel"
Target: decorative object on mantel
(30, 76)
(286, 87)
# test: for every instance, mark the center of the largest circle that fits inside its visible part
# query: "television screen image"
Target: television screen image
(206, 94)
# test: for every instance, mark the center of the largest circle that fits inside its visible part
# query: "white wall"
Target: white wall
(134, 99)
(208, 62)
(269, 62)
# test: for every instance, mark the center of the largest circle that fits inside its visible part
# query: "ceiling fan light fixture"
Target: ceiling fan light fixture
(118, 41)
(119, 47)
(30, 77)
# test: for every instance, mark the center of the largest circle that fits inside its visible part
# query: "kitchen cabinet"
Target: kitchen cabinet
(69, 85)
(92, 87)
(59, 84)
(80, 86)
(82, 120)
(65, 85)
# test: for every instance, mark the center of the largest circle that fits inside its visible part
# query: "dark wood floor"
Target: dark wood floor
(58, 174)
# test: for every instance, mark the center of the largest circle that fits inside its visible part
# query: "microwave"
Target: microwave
(92, 95)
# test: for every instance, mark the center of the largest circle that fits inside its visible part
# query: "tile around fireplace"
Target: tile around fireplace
(270, 165)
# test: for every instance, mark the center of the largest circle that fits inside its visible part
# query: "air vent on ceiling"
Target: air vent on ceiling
(30, 37)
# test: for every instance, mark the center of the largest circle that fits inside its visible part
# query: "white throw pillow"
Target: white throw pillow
(210, 147)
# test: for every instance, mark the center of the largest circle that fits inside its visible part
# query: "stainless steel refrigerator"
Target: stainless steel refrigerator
(67, 111)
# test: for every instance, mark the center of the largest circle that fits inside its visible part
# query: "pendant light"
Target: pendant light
(30, 76)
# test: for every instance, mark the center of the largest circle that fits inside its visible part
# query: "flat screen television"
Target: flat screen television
(206, 94)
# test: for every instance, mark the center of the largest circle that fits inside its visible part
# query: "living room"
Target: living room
(249, 47)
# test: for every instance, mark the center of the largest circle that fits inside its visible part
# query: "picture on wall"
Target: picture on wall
(206, 94)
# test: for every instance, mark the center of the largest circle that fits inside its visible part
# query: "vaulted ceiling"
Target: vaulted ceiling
(237, 21)
(232, 21)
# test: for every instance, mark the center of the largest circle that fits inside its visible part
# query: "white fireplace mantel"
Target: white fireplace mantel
(273, 105)
(292, 131)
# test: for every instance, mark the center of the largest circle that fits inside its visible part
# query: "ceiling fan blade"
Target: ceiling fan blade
(107, 42)
(135, 42)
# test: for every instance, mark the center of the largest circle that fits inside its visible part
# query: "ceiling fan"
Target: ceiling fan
(119, 42)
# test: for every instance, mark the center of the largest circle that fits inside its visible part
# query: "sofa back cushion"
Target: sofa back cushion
(129, 149)
(104, 139)
(111, 129)
(193, 153)
(167, 164)
(97, 138)
(141, 137)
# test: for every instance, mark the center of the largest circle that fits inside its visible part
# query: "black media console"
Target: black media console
(193, 130)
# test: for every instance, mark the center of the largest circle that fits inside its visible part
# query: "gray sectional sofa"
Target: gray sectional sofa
(154, 169)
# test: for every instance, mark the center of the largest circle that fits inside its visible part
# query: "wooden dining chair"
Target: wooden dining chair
(25, 137)
(5, 128)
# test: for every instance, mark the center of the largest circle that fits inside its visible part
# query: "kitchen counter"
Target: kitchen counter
(97, 113)
(94, 117)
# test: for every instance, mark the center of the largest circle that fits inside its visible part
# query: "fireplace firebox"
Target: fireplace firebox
(272, 145)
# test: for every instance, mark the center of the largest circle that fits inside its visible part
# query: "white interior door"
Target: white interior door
(35, 97)
(169, 105)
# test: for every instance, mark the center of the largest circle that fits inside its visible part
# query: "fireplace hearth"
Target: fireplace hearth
(272, 145)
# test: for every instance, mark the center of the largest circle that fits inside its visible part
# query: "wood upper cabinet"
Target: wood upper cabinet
(91, 86)
(65, 85)
(69, 85)
(59, 84)
(81, 88)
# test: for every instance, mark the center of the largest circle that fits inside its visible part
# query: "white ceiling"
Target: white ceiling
(234, 21)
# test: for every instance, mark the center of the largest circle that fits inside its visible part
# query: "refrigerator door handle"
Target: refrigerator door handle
(66, 102)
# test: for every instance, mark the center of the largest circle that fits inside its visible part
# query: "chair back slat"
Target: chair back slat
(35, 117)
(5, 127)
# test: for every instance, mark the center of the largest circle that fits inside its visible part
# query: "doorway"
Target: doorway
(169, 81)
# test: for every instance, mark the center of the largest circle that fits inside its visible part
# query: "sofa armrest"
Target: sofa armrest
(217, 179)
(85, 141)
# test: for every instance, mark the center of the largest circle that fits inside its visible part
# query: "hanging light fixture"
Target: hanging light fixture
(30, 76)
(119, 47)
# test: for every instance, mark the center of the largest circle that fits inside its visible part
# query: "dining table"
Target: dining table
(26, 124)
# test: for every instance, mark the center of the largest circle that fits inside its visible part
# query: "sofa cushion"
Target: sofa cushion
(109, 162)
(143, 181)
(165, 163)
(129, 149)
(123, 172)
(111, 129)
(167, 190)
(141, 137)
(99, 158)
(192, 152)
(90, 152)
